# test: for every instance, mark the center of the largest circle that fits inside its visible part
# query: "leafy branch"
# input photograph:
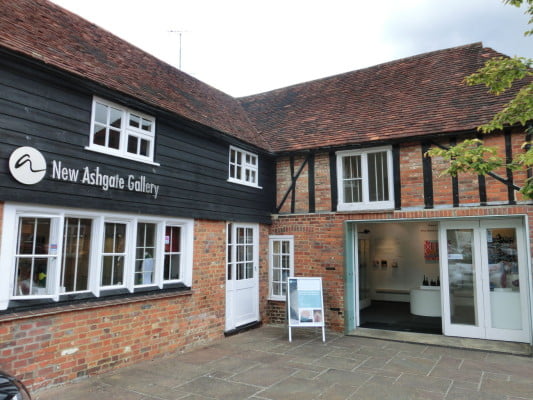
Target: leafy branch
(498, 75)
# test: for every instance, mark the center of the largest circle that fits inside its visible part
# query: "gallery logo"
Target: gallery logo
(27, 165)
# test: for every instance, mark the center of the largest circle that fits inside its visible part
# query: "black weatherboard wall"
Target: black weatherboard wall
(51, 111)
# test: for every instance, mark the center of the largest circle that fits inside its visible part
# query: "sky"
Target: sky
(245, 47)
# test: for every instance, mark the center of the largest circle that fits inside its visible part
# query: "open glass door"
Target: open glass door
(484, 280)
(461, 280)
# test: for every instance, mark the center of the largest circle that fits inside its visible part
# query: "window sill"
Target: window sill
(87, 303)
(244, 183)
(365, 207)
(119, 155)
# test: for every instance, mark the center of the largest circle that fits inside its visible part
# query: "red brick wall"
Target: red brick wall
(62, 343)
(411, 177)
(319, 244)
(322, 183)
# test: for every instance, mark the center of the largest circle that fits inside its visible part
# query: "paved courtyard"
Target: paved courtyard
(262, 364)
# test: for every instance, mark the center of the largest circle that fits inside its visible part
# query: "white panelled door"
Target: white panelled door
(242, 275)
(484, 279)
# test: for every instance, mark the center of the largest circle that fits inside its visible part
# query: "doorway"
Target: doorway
(242, 277)
(392, 259)
(466, 278)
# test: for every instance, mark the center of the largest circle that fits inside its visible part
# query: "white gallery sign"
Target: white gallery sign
(28, 166)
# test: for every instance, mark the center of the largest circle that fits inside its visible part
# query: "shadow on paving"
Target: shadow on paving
(261, 364)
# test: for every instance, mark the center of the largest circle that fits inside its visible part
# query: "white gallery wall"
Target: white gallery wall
(400, 255)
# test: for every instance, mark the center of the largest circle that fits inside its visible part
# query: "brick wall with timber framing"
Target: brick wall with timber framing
(319, 247)
(57, 344)
(421, 183)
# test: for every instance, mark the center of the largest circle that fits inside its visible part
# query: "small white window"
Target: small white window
(121, 132)
(281, 251)
(364, 179)
(243, 167)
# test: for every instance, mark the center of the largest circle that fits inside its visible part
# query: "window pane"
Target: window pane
(172, 239)
(99, 135)
(276, 261)
(114, 139)
(120, 235)
(146, 125)
(34, 235)
(135, 121)
(378, 189)
(145, 146)
(352, 179)
(100, 113)
(132, 144)
(276, 289)
(31, 276)
(352, 167)
(249, 270)
(24, 277)
(115, 118)
(353, 191)
(172, 267)
(249, 235)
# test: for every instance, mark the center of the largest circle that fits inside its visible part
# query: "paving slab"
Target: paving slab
(262, 365)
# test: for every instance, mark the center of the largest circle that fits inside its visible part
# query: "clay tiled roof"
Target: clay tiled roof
(420, 95)
(47, 32)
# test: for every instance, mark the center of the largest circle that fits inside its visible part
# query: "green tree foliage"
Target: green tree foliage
(498, 75)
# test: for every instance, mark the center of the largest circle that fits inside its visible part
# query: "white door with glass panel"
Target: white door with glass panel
(484, 279)
(242, 281)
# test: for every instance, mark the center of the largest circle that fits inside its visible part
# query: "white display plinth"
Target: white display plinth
(426, 301)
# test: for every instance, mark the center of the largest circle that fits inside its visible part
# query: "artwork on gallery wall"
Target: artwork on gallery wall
(431, 251)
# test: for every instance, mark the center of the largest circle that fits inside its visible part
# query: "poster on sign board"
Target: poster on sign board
(305, 303)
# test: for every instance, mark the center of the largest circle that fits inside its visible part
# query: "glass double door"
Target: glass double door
(484, 280)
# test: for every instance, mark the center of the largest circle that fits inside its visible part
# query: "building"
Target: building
(144, 212)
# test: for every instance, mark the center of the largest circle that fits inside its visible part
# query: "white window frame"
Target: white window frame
(246, 167)
(125, 131)
(366, 204)
(271, 240)
(13, 212)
